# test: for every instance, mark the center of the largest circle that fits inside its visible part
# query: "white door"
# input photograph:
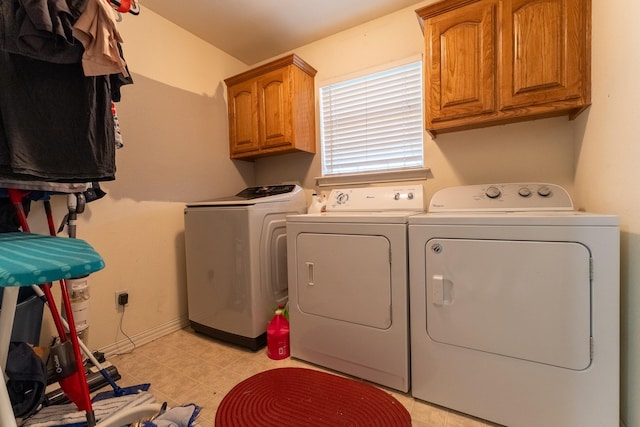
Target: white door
(524, 299)
(345, 278)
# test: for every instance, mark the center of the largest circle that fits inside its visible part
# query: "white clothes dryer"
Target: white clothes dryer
(348, 283)
(515, 306)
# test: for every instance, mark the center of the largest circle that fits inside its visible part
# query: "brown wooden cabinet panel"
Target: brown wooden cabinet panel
(275, 114)
(544, 58)
(272, 109)
(461, 79)
(243, 118)
(492, 62)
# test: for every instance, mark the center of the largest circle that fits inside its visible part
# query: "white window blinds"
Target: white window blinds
(373, 123)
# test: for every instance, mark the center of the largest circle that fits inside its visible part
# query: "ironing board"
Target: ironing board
(33, 259)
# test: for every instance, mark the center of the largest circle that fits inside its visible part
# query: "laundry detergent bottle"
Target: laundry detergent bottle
(318, 204)
(278, 336)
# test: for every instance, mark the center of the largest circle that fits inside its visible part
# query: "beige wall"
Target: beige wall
(606, 168)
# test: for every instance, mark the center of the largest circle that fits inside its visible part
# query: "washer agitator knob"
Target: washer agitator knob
(492, 192)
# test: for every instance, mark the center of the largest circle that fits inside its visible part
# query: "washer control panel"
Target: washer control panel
(502, 198)
(375, 199)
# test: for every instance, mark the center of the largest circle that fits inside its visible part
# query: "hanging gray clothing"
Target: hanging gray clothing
(41, 29)
(55, 123)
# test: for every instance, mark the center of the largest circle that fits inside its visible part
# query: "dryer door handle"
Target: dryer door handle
(441, 290)
(437, 289)
(310, 273)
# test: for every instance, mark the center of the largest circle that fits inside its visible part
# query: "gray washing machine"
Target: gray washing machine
(348, 283)
(236, 256)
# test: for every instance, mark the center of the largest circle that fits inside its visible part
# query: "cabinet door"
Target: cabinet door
(243, 118)
(544, 51)
(461, 63)
(274, 108)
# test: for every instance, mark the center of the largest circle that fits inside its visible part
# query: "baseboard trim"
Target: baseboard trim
(125, 346)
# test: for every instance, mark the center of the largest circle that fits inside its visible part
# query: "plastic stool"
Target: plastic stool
(33, 259)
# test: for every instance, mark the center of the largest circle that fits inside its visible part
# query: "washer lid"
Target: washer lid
(257, 194)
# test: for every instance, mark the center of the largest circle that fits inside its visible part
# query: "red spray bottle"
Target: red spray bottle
(278, 336)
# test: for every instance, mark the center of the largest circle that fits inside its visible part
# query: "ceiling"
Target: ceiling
(255, 30)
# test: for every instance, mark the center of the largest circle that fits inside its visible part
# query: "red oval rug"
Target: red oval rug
(304, 397)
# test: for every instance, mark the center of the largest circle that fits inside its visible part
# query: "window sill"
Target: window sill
(373, 177)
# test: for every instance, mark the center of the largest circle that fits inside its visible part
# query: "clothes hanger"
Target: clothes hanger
(124, 6)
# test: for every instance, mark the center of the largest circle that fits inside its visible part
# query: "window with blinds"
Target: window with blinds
(373, 123)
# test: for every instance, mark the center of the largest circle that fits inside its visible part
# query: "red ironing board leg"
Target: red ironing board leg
(83, 400)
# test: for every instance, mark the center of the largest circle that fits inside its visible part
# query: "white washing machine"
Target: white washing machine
(348, 283)
(515, 306)
(236, 250)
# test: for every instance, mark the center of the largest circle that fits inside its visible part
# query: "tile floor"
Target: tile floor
(185, 367)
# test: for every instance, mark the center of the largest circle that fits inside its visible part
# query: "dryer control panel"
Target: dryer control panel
(510, 197)
(375, 199)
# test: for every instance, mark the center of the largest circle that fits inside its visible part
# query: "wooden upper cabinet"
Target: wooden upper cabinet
(492, 62)
(272, 109)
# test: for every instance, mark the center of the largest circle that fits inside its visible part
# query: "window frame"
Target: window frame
(382, 175)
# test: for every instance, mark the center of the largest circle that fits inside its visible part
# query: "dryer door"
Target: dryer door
(339, 275)
(525, 299)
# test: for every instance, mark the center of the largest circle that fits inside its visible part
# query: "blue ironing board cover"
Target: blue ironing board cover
(33, 259)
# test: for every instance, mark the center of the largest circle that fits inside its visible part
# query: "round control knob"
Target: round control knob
(410, 196)
(396, 196)
(524, 192)
(342, 198)
(544, 191)
(492, 192)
